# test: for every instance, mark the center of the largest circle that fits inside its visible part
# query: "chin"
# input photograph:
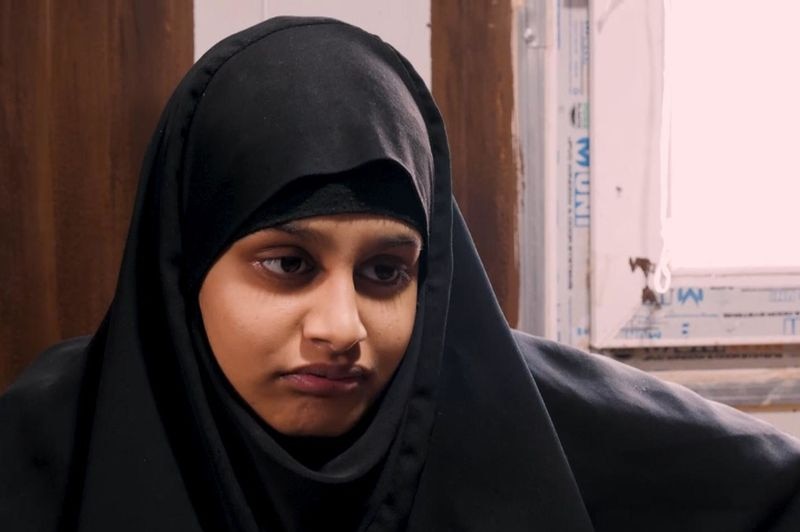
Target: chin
(323, 426)
(322, 430)
(317, 432)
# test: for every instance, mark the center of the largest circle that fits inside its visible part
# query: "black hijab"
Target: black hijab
(158, 445)
(136, 430)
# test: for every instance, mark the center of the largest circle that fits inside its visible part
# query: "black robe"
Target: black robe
(483, 428)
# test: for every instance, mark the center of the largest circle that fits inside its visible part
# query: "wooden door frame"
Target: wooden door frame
(473, 84)
(82, 87)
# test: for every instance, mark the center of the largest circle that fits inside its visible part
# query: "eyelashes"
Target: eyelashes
(286, 266)
(296, 268)
(386, 273)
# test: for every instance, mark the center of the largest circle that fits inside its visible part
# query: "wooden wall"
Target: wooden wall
(473, 83)
(82, 85)
(81, 88)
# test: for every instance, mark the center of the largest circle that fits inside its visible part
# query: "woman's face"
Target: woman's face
(309, 320)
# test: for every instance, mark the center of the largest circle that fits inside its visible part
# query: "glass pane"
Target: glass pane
(735, 180)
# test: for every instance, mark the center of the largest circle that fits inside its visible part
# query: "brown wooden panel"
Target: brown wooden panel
(83, 84)
(473, 83)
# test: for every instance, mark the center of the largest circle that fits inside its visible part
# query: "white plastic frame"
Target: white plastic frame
(702, 307)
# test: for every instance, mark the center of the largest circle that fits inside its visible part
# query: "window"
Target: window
(693, 109)
(670, 136)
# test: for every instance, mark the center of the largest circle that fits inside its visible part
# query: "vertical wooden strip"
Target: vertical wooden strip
(83, 85)
(27, 294)
(473, 83)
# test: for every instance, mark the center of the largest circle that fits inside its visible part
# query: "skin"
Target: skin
(333, 292)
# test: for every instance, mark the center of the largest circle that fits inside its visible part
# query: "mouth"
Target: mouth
(325, 379)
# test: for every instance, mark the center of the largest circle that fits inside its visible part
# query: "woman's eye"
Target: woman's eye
(385, 273)
(291, 265)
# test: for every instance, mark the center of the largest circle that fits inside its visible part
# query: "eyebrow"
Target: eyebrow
(294, 229)
(393, 240)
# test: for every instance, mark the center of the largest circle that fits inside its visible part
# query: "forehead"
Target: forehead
(349, 226)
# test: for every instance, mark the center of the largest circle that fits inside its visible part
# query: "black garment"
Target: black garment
(381, 188)
(481, 429)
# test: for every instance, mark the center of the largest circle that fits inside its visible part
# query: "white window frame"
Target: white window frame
(560, 259)
(703, 306)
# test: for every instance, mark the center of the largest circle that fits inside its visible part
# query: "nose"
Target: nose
(333, 320)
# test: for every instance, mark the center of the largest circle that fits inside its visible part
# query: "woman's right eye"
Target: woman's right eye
(287, 266)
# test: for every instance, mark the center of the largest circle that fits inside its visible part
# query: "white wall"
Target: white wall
(216, 19)
(405, 24)
(788, 421)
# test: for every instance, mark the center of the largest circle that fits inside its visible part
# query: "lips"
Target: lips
(325, 379)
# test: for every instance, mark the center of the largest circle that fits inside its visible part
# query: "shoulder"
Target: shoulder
(561, 366)
(39, 408)
(646, 451)
(55, 372)
(571, 378)
(38, 416)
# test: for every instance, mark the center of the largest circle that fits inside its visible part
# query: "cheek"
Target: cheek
(244, 325)
(390, 325)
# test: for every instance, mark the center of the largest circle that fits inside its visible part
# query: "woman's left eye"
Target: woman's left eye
(289, 265)
(384, 272)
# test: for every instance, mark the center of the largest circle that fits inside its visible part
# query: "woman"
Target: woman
(303, 338)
